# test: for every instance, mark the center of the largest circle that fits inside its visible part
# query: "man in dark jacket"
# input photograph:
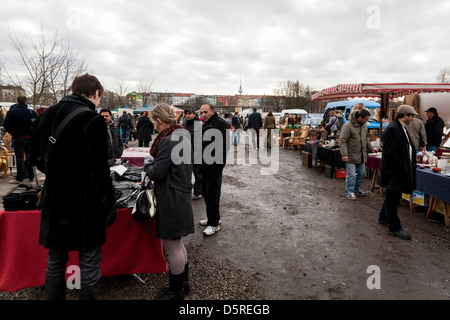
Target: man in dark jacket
(18, 123)
(434, 127)
(214, 132)
(79, 198)
(397, 171)
(255, 123)
(115, 142)
(126, 124)
(194, 126)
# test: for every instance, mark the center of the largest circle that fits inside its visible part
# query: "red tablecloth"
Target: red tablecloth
(373, 162)
(131, 247)
(135, 155)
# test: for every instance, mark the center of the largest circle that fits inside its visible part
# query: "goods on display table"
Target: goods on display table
(23, 259)
(136, 155)
(433, 180)
(328, 155)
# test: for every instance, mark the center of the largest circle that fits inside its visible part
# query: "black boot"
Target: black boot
(187, 287)
(176, 288)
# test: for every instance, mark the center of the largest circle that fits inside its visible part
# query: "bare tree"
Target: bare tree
(121, 94)
(145, 89)
(61, 77)
(50, 64)
(443, 75)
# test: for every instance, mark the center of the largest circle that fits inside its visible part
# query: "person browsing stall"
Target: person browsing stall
(172, 180)
(78, 196)
(434, 128)
(115, 142)
(354, 143)
(397, 170)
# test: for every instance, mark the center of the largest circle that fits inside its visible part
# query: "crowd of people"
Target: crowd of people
(75, 217)
(402, 138)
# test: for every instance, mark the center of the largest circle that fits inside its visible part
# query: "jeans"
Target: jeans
(388, 211)
(89, 275)
(126, 135)
(22, 150)
(236, 136)
(355, 173)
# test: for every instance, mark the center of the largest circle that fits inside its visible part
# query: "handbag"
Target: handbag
(144, 208)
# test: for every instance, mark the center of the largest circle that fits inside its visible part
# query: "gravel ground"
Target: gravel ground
(210, 279)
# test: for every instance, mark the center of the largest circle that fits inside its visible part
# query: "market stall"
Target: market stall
(327, 155)
(383, 91)
(436, 185)
(131, 247)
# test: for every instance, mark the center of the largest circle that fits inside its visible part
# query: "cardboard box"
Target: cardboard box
(419, 198)
(307, 159)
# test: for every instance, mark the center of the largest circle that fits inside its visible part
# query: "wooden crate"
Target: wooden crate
(307, 159)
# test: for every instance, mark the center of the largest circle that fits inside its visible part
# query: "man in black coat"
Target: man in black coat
(214, 132)
(115, 142)
(79, 198)
(434, 127)
(255, 123)
(18, 123)
(126, 124)
(194, 126)
(398, 169)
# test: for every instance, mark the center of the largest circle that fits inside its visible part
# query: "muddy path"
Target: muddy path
(299, 235)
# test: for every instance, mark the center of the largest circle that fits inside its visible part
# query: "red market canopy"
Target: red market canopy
(384, 91)
(378, 90)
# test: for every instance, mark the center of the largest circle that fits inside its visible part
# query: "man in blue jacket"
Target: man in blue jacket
(18, 122)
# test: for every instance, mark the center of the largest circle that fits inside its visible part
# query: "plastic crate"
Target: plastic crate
(340, 173)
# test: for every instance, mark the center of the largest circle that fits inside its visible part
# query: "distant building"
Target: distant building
(181, 99)
(10, 93)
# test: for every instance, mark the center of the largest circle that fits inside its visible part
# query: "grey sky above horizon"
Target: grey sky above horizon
(203, 46)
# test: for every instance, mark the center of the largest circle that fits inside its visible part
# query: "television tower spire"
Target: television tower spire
(240, 84)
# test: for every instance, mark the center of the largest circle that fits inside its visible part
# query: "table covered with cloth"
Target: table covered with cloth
(136, 155)
(433, 184)
(436, 185)
(331, 157)
(131, 247)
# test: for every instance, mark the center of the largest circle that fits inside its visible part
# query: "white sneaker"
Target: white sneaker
(210, 230)
(204, 222)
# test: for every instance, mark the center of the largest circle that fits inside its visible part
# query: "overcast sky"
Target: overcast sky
(202, 46)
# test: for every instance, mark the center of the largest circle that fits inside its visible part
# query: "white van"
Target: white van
(293, 112)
